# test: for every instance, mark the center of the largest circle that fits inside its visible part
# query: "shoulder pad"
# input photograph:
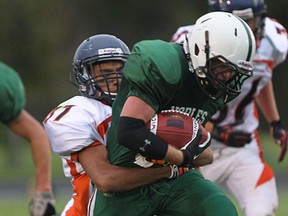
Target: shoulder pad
(179, 35)
(277, 34)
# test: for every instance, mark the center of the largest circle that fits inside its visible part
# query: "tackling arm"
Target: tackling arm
(110, 178)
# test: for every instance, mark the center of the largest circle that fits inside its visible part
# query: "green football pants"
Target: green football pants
(188, 195)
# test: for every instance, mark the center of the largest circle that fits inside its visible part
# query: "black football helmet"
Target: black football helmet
(245, 9)
(258, 7)
(93, 50)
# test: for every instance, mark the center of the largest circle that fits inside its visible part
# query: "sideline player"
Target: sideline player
(23, 124)
(198, 80)
(235, 134)
(77, 127)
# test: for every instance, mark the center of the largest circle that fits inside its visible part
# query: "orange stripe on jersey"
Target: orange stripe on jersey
(96, 143)
(81, 197)
(267, 174)
(269, 63)
(71, 164)
(103, 127)
(74, 157)
(256, 134)
(256, 112)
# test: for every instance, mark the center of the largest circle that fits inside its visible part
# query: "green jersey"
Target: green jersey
(11, 93)
(158, 73)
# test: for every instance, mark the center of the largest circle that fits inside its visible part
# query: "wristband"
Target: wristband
(275, 123)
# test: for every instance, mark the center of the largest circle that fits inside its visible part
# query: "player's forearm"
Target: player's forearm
(173, 155)
(30, 129)
(267, 103)
(205, 158)
(41, 155)
(42, 162)
(119, 179)
(111, 178)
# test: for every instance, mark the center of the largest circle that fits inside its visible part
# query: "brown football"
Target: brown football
(175, 128)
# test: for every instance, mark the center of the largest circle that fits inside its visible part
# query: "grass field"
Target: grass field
(16, 169)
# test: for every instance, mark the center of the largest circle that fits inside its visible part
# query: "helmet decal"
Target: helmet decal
(110, 51)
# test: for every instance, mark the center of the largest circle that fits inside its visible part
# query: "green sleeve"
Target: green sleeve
(12, 94)
(154, 72)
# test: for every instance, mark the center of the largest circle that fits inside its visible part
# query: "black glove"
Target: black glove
(42, 204)
(280, 137)
(231, 137)
(193, 149)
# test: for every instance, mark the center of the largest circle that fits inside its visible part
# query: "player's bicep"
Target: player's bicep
(94, 161)
(137, 108)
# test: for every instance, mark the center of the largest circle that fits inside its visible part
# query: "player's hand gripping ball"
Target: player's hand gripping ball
(176, 128)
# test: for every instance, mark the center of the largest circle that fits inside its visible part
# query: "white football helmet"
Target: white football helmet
(220, 43)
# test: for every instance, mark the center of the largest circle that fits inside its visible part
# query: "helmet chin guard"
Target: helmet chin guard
(219, 51)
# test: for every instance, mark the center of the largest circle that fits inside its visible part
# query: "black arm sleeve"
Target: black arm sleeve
(133, 134)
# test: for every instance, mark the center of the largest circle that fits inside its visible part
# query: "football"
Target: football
(175, 128)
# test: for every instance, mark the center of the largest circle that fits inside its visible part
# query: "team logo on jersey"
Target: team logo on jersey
(199, 114)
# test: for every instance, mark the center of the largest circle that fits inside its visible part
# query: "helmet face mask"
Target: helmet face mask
(221, 79)
(94, 53)
(220, 65)
(104, 85)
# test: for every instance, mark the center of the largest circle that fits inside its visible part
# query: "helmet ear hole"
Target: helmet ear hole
(196, 50)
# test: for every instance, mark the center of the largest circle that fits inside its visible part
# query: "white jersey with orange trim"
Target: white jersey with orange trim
(231, 166)
(271, 51)
(73, 125)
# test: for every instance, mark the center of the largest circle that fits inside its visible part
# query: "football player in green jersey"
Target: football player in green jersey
(20, 122)
(197, 78)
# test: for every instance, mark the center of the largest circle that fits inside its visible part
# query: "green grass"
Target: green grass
(16, 167)
(19, 206)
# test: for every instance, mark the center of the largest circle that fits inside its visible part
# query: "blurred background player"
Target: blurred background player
(238, 158)
(21, 123)
(77, 127)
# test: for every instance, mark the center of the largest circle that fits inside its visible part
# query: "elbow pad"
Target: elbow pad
(133, 134)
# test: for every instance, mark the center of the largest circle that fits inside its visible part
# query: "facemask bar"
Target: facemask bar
(222, 91)
(215, 83)
(89, 86)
